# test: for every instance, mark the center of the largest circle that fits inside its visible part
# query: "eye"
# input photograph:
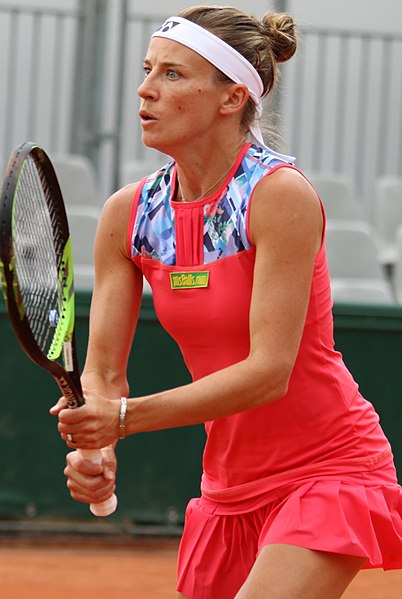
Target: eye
(172, 74)
(147, 70)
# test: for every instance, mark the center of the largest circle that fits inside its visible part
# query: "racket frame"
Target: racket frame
(68, 381)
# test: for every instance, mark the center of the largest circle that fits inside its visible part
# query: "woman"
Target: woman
(298, 489)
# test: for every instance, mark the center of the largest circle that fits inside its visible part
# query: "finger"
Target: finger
(109, 463)
(60, 405)
(82, 494)
(109, 456)
(67, 437)
(89, 489)
(67, 416)
(81, 441)
(109, 473)
(70, 440)
(77, 463)
(88, 484)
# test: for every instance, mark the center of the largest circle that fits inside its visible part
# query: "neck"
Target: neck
(201, 179)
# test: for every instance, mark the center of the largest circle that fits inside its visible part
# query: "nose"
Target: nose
(147, 89)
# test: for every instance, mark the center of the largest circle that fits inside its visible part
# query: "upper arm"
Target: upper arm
(116, 297)
(286, 227)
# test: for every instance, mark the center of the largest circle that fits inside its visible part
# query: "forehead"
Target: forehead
(171, 52)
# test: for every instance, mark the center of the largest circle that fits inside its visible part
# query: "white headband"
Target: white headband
(226, 59)
(221, 55)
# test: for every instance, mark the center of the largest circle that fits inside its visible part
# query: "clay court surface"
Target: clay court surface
(139, 569)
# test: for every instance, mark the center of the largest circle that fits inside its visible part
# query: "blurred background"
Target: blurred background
(69, 71)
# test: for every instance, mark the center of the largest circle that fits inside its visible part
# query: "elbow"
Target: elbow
(280, 383)
(281, 387)
(271, 379)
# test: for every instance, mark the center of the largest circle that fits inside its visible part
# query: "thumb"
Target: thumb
(109, 463)
(58, 407)
(109, 471)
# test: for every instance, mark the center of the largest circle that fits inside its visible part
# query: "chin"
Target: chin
(151, 142)
(158, 145)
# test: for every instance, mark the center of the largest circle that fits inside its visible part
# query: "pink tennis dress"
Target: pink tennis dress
(312, 468)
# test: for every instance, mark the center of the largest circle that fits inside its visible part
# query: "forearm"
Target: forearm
(116, 301)
(245, 385)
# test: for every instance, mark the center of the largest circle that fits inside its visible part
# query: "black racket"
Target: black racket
(36, 269)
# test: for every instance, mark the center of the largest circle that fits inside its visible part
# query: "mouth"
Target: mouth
(146, 117)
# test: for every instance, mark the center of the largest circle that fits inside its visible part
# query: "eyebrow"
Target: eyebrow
(146, 61)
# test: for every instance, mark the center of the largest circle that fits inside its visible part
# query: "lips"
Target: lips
(146, 117)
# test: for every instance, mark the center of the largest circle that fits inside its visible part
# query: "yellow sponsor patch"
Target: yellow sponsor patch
(189, 280)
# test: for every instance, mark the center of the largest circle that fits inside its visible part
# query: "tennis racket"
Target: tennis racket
(36, 271)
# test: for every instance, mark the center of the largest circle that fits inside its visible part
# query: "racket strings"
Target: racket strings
(37, 245)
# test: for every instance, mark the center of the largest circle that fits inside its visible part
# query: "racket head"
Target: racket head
(36, 266)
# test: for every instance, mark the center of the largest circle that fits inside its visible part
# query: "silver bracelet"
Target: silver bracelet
(122, 417)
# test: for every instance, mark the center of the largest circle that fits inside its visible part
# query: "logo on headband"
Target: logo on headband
(167, 26)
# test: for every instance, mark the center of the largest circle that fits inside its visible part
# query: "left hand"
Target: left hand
(89, 482)
(91, 426)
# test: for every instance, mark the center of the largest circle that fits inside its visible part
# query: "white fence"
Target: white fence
(343, 106)
(69, 71)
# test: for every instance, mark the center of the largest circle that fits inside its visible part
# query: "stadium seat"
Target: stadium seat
(352, 250)
(397, 272)
(83, 222)
(387, 216)
(135, 170)
(77, 179)
(355, 271)
(361, 291)
(336, 193)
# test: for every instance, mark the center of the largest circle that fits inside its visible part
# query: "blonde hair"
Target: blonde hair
(263, 42)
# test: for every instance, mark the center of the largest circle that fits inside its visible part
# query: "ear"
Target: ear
(234, 98)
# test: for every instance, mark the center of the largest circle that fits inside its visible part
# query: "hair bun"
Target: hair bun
(280, 30)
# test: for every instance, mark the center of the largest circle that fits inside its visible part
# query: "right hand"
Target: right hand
(89, 482)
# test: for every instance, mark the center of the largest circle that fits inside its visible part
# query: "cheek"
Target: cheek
(186, 110)
(191, 106)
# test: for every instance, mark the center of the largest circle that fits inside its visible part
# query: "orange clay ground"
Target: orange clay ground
(142, 569)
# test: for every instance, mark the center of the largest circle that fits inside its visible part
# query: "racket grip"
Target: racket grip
(107, 507)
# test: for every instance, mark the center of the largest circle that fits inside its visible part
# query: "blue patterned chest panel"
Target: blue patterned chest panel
(224, 218)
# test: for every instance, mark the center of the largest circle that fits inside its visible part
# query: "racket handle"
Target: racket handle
(107, 507)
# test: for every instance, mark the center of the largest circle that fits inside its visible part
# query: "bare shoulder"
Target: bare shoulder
(119, 204)
(285, 201)
(115, 217)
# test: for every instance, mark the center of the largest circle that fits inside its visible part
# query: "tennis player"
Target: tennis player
(299, 490)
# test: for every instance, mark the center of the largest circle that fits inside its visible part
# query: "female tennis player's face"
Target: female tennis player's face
(180, 97)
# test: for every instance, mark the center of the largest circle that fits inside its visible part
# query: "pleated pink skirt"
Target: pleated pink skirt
(360, 515)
